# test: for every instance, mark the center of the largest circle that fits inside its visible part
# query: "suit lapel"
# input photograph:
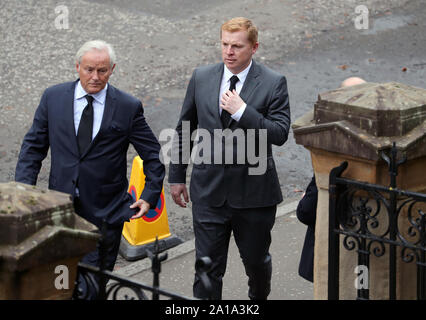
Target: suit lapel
(215, 81)
(69, 117)
(110, 105)
(252, 81)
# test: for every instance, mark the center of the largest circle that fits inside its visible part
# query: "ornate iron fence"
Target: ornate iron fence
(98, 283)
(376, 220)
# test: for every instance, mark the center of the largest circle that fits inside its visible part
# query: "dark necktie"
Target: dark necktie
(84, 135)
(226, 116)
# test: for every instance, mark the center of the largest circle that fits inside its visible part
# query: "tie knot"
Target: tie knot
(234, 79)
(89, 98)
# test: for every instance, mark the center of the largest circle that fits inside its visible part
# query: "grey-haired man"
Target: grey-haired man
(88, 125)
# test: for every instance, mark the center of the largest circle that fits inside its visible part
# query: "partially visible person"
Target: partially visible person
(307, 211)
(352, 81)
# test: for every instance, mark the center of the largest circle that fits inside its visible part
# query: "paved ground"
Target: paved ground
(287, 239)
(158, 43)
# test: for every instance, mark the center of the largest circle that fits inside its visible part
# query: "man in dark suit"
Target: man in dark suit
(88, 125)
(248, 100)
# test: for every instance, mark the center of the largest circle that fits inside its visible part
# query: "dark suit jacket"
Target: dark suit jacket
(265, 93)
(307, 213)
(101, 172)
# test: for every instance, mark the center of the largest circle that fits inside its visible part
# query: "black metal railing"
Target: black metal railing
(375, 220)
(98, 283)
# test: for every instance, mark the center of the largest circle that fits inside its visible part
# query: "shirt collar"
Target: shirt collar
(241, 76)
(99, 97)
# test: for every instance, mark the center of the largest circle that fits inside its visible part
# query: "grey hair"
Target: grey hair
(98, 45)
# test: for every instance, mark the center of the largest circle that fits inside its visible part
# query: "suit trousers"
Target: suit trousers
(112, 244)
(252, 233)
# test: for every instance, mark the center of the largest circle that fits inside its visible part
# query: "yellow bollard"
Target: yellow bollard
(140, 234)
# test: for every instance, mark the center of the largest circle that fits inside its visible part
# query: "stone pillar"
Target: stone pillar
(355, 124)
(41, 242)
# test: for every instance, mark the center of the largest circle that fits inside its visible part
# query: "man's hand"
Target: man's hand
(144, 208)
(177, 190)
(231, 101)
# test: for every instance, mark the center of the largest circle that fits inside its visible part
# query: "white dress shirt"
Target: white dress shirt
(224, 86)
(80, 102)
